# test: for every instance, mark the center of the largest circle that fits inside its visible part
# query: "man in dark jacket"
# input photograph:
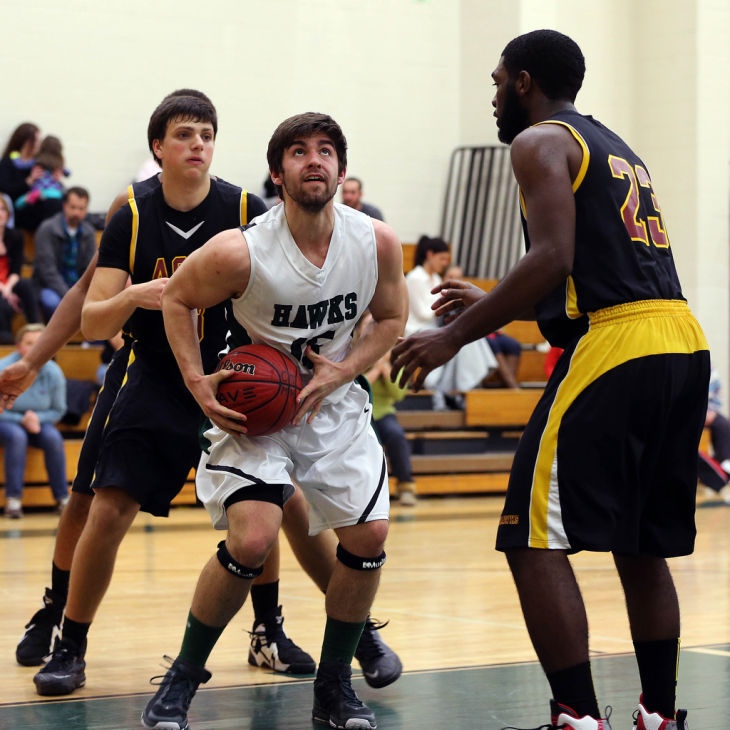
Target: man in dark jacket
(64, 245)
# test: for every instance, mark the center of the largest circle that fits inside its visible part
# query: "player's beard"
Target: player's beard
(513, 119)
(312, 202)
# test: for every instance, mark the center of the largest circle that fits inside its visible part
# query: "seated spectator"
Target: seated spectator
(714, 471)
(472, 363)
(64, 246)
(30, 422)
(391, 434)
(17, 164)
(16, 293)
(44, 197)
(507, 350)
(551, 359)
(110, 347)
(352, 196)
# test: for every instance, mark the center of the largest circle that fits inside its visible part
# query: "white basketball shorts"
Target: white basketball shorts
(336, 460)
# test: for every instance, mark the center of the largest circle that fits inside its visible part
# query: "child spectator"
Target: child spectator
(507, 350)
(44, 197)
(30, 422)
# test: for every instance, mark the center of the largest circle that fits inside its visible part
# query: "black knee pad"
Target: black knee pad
(356, 562)
(233, 566)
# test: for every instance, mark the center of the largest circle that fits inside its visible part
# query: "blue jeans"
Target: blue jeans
(49, 301)
(396, 446)
(15, 440)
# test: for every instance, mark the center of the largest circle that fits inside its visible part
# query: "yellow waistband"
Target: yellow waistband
(638, 310)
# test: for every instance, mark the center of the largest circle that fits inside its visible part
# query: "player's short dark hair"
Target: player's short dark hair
(553, 60)
(181, 104)
(77, 191)
(355, 180)
(305, 125)
(426, 244)
(21, 134)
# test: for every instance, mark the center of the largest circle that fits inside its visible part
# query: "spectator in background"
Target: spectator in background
(110, 347)
(44, 197)
(352, 196)
(64, 246)
(16, 293)
(391, 434)
(30, 422)
(146, 170)
(471, 364)
(17, 164)
(507, 350)
(714, 472)
(269, 193)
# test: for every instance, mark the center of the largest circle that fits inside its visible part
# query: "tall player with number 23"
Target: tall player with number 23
(608, 460)
(298, 280)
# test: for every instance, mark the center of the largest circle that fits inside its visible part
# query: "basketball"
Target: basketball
(264, 387)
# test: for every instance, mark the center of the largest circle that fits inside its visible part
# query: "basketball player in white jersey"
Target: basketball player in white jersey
(299, 278)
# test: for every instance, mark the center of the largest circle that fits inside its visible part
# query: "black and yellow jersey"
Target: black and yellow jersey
(149, 239)
(622, 251)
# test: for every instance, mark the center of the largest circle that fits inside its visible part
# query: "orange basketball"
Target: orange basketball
(264, 386)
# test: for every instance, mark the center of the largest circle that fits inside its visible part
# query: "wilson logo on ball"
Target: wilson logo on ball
(263, 385)
(239, 367)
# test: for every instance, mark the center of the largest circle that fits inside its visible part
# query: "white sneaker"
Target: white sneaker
(644, 720)
(562, 716)
(13, 508)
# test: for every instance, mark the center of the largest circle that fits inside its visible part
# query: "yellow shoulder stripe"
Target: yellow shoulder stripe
(244, 207)
(586, 152)
(135, 231)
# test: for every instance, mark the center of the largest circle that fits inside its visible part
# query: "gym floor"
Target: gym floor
(454, 620)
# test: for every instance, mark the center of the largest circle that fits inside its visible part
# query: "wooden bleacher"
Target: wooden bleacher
(454, 451)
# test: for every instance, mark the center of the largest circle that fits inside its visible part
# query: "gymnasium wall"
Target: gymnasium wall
(407, 79)
(658, 73)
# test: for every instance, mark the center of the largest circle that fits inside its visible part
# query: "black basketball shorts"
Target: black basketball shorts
(104, 402)
(608, 460)
(150, 441)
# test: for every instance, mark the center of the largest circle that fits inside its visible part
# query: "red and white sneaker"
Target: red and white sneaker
(645, 720)
(564, 717)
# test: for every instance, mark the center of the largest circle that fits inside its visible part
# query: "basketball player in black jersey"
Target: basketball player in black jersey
(608, 459)
(219, 202)
(44, 626)
(270, 647)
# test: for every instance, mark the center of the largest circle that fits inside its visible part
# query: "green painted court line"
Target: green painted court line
(473, 698)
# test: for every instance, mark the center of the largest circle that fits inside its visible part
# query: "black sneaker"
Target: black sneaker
(335, 701)
(273, 649)
(41, 631)
(168, 709)
(380, 664)
(65, 670)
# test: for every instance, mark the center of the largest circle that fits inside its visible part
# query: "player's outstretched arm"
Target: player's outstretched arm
(541, 159)
(64, 324)
(216, 272)
(389, 310)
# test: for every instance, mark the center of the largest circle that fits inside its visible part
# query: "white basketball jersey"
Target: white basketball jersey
(291, 304)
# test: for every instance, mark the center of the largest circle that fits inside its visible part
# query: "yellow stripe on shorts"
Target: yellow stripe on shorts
(652, 327)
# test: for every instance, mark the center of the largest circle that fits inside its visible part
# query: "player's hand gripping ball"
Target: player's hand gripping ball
(264, 386)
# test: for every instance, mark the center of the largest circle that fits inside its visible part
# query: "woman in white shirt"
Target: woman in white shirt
(474, 361)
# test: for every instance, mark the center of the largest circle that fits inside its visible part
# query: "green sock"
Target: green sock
(340, 640)
(198, 641)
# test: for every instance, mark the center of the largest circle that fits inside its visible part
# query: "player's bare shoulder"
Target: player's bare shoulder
(388, 244)
(540, 147)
